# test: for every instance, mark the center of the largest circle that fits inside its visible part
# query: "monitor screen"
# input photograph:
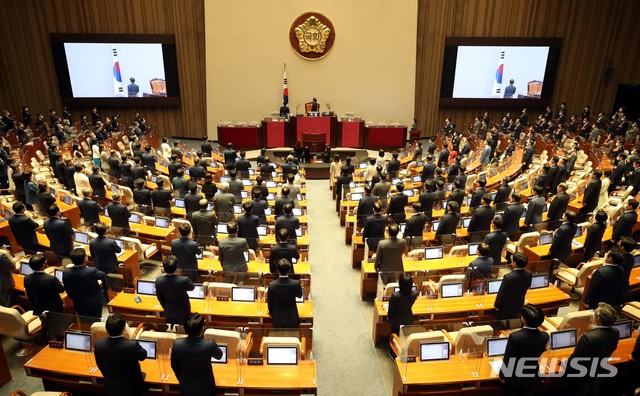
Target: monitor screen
(7, 214)
(430, 351)
(496, 346)
(362, 165)
(563, 339)
(52, 191)
(524, 185)
(246, 256)
(115, 188)
(262, 230)
(224, 179)
(408, 193)
(81, 237)
(448, 187)
(134, 218)
(298, 232)
(237, 209)
(150, 347)
(246, 294)
(25, 269)
(578, 232)
(67, 199)
(296, 212)
(356, 196)
(482, 176)
(402, 227)
(223, 359)
(449, 290)
(473, 248)
(493, 285)
(444, 204)
(432, 253)
(268, 211)
(282, 355)
(299, 300)
(416, 179)
(179, 203)
(636, 260)
(146, 287)
(396, 180)
(154, 178)
(246, 182)
(540, 281)
(271, 184)
(120, 243)
(545, 208)
(222, 228)
(77, 341)
(162, 222)
(245, 195)
(210, 206)
(106, 212)
(198, 292)
(624, 328)
(58, 274)
(434, 226)
(466, 221)
(545, 239)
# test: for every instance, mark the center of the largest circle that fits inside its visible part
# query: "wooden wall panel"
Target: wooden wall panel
(27, 73)
(595, 34)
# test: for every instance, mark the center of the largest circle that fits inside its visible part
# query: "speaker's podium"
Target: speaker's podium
(276, 130)
(313, 127)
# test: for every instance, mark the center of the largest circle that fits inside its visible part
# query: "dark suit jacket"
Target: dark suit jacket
(396, 207)
(400, 312)
(204, 223)
(510, 298)
(279, 205)
(624, 225)
(599, 342)
(502, 195)
(171, 291)
(593, 240)
(428, 171)
(119, 215)
(117, 358)
(609, 284)
(415, 225)
(457, 196)
(374, 229)
(185, 250)
(161, 198)
(481, 265)
(448, 224)
(90, 211)
(60, 235)
(525, 343)
(427, 199)
(511, 217)
(535, 209)
(443, 158)
(291, 223)
(45, 200)
(23, 229)
(476, 196)
(142, 196)
(561, 244)
(481, 220)
(591, 195)
(281, 299)
(191, 362)
(81, 284)
(114, 166)
(365, 208)
(389, 255)
(558, 206)
(192, 203)
(282, 250)
(248, 229)
(259, 207)
(138, 172)
(496, 241)
(43, 291)
(97, 185)
(149, 161)
(103, 251)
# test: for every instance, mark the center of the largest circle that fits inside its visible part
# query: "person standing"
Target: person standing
(389, 254)
(185, 249)
(625, 223)
(609, 283)
(205, 224)
(81, 284)
(6, 280)
(401, 303)
(563, 237)
(59, 232)
(513, 289)
(24, 228)
(281, 298)
(171, 291)
(103, 250)
(232, 249)
(43, 290)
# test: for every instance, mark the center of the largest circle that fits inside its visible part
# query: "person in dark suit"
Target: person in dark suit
(89, 209)
(148, 159)
(527, 155)
(374, 227)
(118, 213)
(282, 250)
(231, 251)
(81, 284)
(243, 165)
(595, 233)
(560, 248)
(142, 196)
(248, 226)
(206, 147)
(502, 195)
(480, 268)
(45, 199)
(192, 200)
(394, 165)
(191, 359)
(97, 183)
(185, 250)
(171, 291)
(618, 172)
(427, 199)
(535, 208)
(598, 343)
(229, 156)
(205, 224)
(511, 295)
(481, 218)
(429, 169)
(443, 156)
(414, 228)
(290, 222)
(476, 196)
(449, 222)
(592, 193)
(457, 195)
(259, 205)
(558, 206)
(180, 184)
(627, 245)
(401, 303)
(198, 171)
(24, 228)
(511, 216)
(43, 290)
(510, 90)
(6, 280)
(626, 222)
(543, 178)
(397, 204)
(126, 173)
(609, 283)
(365, 206)
(118, 360)
(103, 250)
(496, 240)
(281, 201)
(554, 171)
(161, 197)
(174, 165)
(389, 254)
(59, 232)
(209, 188)
(281, 297)
(528, 343)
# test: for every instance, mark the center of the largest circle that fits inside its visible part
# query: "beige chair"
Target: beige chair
(144, 251)
(283, 342)
(99, 330)
(128, 196)
(577, 277)
(219, 289)
(389, 289)
(471, 179)
(176, 223)
(459, 251)
(446, 279)
(235, 345)
(468, 338)
(579, 320)
(18, 324)
(632, 310)
(416, 254)
(411, 345)
(526, 239)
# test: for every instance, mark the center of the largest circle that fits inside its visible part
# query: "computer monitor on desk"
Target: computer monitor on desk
(179, 203)
(222, 228)
(624, 328)
(433, 253)
(451, 290)
(472, 248)
(563, 339)
(496, 346)
(545, 239)
(356, 196)
(270, 184)
(145, 287)
(539, 281)
(67, 199)
(81, 237)
(162, 222)
(493, 285)
(282, 355)
(25, 269)
(135, 218)
(432, 351)
(58, 274)
(150, 347)
(296, 212)
(243, 294)
(76, 341)
(434, 225)
(262, 230)
(198, 292)
(223, 359)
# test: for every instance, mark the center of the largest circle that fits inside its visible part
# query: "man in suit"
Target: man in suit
(365, 206)
(43, 290)
(118, 360)
(554, 172)
(592, 193)
(381, 189)
(24, 228)
(171, 291)
(103, 250)
(59, 232)
(118, 213)
(185, 249)
(281, 298)
(511, 295)
(457, 195)
(496, 240)
(229, 156)
(476, 196)
(598, 343)
(481, 218)
(394, 165)
(290, 222)
(528, 343)
(627, 245)
(174, 165)
(626, 222)
(7, 283)
(543, 178)
(81, 284)
(429, 169)
(223, 204)
(443, 156)
(89, 209)
(180, 184)
(281, 201)
(97, 183)
(235, 186)
(191, 359)
(126, 171)
(374, 226)
(192, 200)
(161, 198)
(142, 196)
(595, 234)
(571, 160)
(414, 227)
(397, 204)
(480, 268)
(248, 226)
(502, 195)
(243, 165)
(535, 208)
(389, 254)
(558, 206)
(282, 250)
(205, 225)
(198, 171)
(427, 199)
(485, 156)
(560, 248)
(527, 155)
(618, 172)
(449, 222)
(609, 283)
(231, 251)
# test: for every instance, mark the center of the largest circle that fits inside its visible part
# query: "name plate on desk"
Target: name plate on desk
(358, 234)
(255, 361)
(371, 260)
(385, 298)
(222, 298)
(56, 344)
(128, 290)
(410, 359)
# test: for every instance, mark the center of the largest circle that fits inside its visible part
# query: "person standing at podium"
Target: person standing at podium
(284, 110)
(315, 107)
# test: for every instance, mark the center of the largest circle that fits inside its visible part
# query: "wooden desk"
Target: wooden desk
(538, 253)
(208, 264)
(19, 287)
(150, 233)
(446, 310)
(217, 313)
(62, 369)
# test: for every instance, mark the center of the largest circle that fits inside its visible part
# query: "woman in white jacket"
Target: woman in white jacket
(604, 190)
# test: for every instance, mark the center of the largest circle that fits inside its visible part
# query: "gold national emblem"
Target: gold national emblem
(312, 35)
